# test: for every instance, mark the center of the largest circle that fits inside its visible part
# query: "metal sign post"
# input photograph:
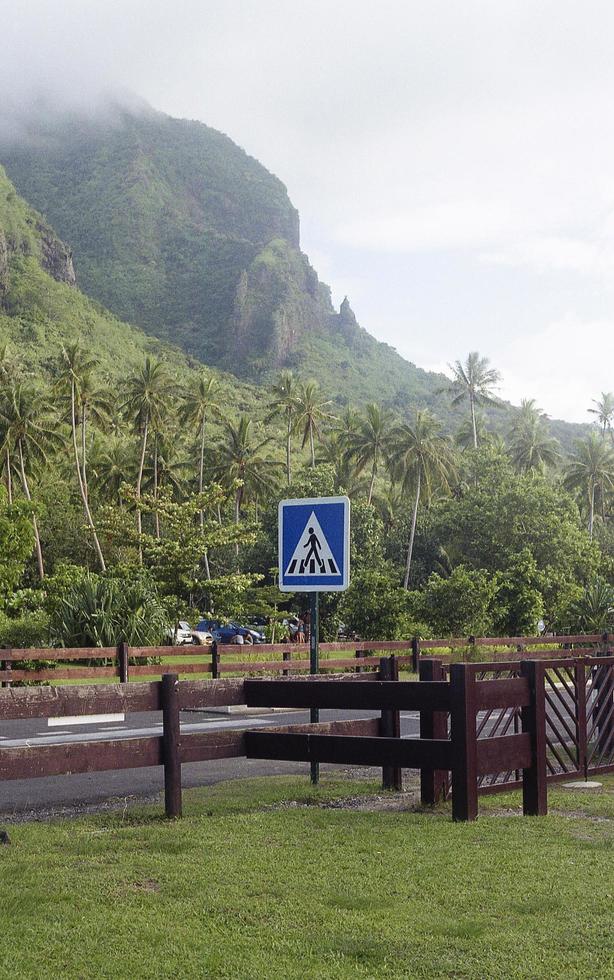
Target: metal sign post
(314, 557)
(314, 664)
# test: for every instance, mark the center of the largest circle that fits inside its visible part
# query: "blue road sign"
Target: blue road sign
(314, 544)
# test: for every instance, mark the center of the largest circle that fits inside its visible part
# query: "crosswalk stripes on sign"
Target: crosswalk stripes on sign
(312, 555)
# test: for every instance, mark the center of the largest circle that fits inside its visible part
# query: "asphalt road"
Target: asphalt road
(44, 797)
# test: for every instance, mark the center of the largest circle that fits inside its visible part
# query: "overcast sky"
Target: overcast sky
(453, 163)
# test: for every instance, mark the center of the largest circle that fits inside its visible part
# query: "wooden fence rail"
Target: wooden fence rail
(127, 663)
(371, 742)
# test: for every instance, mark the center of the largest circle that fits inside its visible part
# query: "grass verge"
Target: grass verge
(271, 878)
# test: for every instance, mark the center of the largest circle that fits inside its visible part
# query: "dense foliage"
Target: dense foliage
(139, 488)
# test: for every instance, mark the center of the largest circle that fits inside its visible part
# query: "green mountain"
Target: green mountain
(41, 307)
(175, 228)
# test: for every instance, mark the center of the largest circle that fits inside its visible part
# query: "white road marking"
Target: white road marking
(60, 722)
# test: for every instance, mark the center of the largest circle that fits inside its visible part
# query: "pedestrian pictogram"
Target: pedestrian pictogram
(314, 551)
(312, 555)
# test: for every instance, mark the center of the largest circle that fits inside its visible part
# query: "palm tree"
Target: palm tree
(332, 451)
(147, 397)
(422, 459)
(311, 412)
(604, 411)
(370, 441)
(8, 376)
(241, 458)
(95, 405)
(464, 437)
(473, 381)
(113, 464)
(29, 431)
(531, 447)
(76, 365)
(285, 402)
(201, 404)
(591, 470)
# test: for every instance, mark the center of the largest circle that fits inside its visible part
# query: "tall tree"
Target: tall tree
(591, 471)
(95, 405)
(241, 457)
(311, 413)
(201, 403)
(285, 392)
(473, 381)
(75, 365)
(148, 392)
(422, 460)
(604, 410)
(531, 447)
(30, 432)
(370, 441)
(113, 464)
(8, 376)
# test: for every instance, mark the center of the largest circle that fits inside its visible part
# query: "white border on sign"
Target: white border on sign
(310, 501)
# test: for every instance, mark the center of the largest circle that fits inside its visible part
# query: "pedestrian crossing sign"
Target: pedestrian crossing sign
(314, 544)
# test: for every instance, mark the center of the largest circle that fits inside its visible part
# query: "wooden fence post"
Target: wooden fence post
(415, 654)
(215, 661)
(6, 665)
(359, 655)
(390, 723)
(433, 724)
(580, 713)
(464, 742)
(286, 655)
(534, 784)
(604, 687)
(171, 742)
(122, 662)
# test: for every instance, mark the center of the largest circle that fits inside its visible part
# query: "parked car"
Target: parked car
(180, 634)
(202, 635)
(226, 632)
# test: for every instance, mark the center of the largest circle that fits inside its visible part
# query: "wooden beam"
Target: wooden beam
(375, 695)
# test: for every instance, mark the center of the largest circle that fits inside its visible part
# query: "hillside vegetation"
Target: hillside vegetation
(175, 228)
(41, 308)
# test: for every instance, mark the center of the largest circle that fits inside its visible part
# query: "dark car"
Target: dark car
(226, 632)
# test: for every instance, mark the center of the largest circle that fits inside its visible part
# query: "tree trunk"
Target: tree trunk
(412, 535)
(26, 490)
(288, 439)
(475, 430)
(83, 451)
(312, 447)
(139, 480)
(201, 473)
(9, 478)
(155, 493)
(201, 484)
(86, 508)
(591, 513)
(371, 485)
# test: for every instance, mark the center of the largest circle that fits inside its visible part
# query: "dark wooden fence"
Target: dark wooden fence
(129, 663)
(371, 742)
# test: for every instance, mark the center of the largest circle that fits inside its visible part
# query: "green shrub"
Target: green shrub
(99, 611)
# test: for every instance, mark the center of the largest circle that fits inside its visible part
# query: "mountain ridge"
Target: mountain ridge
(176, 228)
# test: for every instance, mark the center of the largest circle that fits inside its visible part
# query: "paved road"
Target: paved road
(42, 797)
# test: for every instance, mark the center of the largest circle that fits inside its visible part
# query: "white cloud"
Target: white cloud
(563, 366)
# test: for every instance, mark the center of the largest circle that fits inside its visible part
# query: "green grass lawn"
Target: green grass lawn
(267, 879)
